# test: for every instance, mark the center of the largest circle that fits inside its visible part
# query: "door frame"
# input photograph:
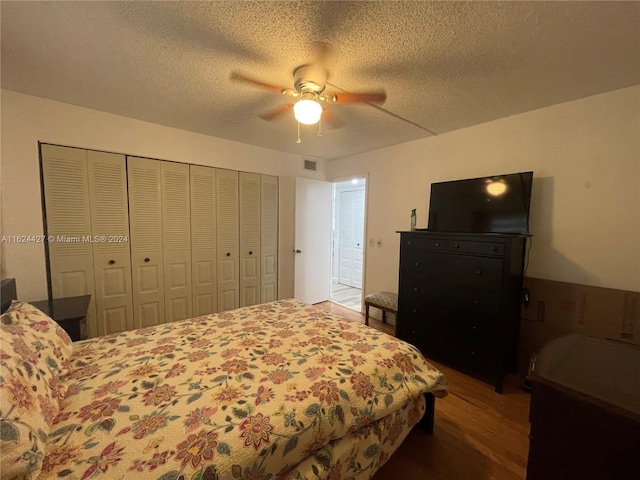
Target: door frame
(334, 181)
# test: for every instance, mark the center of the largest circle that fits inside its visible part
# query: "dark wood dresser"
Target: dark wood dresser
(459, 299)
(585, 411)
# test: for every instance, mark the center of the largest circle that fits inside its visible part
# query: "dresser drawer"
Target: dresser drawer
(417, 296)
(458, 246)
(463, 350)
(412, 328)
(414, 262)
(417, 243)
(464, 270)
(476, 248)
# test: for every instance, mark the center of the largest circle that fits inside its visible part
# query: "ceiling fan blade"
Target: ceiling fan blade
(378, 97)
(330, 118)
(238, 77)
(272, 115)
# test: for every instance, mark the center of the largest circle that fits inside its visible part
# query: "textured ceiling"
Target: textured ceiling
(444, 65)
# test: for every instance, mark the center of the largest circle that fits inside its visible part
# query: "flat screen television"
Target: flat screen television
(497, 204)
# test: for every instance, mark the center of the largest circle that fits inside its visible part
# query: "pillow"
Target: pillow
(45, 328)
(34, 352)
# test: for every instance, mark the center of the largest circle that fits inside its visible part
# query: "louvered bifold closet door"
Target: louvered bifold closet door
(269, 238)
(145, 225)
(227, 226)
(111, 250)
(249, 188)
(68, 218)
(203, 239)
(176, 236)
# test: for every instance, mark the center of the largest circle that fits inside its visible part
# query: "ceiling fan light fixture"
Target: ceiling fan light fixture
(307, 111)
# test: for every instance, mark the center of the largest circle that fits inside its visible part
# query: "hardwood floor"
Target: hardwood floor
(479, 434)
(347, 296)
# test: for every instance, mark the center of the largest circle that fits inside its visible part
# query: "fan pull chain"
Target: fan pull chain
(298, 140)
(320, 127)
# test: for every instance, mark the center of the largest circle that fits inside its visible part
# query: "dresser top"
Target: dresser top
(424, 231)
(596, 368)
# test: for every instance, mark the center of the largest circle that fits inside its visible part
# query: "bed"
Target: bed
(280, 390)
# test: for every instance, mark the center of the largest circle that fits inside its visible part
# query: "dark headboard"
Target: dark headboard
(7, 293)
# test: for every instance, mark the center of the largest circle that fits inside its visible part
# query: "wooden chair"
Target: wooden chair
(385, 301)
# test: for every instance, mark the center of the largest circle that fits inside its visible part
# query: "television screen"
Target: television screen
(498, 204)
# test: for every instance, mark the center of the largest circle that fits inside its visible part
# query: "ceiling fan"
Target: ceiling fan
(309, 84)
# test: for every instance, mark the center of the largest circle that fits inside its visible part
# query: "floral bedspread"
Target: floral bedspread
(274, 391)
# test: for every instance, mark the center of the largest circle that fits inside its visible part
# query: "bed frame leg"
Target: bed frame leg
(427, 421)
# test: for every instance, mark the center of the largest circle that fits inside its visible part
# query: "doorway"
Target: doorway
(347, 242)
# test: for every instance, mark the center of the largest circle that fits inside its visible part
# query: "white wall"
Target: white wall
(585, 213)
(27, 120)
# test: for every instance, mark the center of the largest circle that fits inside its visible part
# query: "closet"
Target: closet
(154, 241)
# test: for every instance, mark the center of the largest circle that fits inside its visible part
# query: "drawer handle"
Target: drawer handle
(437, 244)
(413, 332)
(494, 249)
(250, 253)
(415, 289)
(228, 254)
(409, 242)
(146, 260)
(417, 264)
(478, 272)
(414, 310)
(473, 354)
(456, 245)
(476, 302)
(111, 262)
(474, 328)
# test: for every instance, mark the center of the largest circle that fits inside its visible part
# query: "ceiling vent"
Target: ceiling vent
(310, 165)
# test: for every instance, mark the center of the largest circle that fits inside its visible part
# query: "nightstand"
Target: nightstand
(70, 313)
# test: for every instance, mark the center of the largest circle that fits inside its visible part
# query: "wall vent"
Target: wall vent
(310, 165)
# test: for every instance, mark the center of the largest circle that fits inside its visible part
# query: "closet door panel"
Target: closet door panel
(111, 249)
(68, 217)
(204, 286)
(250, 282)
(176, 240)
(203, 239)
(228, 243)
(145, 219)
(249, 189)
(269, 238)
(148, 313)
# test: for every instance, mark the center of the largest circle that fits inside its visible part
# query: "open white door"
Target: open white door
(351, 244)
(313, 240)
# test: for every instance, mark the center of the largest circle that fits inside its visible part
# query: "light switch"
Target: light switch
(379, 242)
(371, 242)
